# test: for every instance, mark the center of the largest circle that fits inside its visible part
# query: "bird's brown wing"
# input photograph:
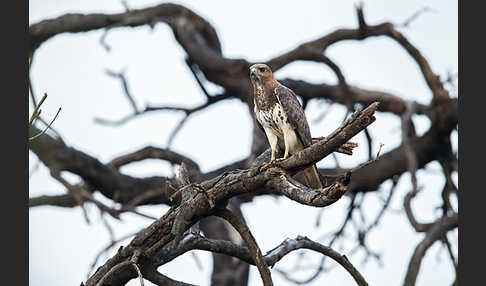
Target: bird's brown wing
(295, 114)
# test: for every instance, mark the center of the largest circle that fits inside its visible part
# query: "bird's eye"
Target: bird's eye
(261, 69)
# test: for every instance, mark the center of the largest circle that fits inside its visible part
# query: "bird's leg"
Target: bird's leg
(287, 148)
(273, 155)
(272, 139)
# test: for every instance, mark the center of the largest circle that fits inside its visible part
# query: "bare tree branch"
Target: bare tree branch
(37, 110)
(415, 15)
(121, 76)
(255, 251)
(159, 279)
(48, 126)
(436, 232)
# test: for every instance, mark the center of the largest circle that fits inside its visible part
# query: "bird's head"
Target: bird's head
(260, 73)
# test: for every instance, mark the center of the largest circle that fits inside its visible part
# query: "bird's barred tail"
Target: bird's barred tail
(312, 178)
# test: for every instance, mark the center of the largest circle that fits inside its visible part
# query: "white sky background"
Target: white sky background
(70, 68)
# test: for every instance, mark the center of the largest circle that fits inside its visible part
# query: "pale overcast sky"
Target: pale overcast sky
(70, 68)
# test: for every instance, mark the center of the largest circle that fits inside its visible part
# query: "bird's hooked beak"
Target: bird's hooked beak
(253, 73)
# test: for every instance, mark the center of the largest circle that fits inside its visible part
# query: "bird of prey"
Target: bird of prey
(279, 113)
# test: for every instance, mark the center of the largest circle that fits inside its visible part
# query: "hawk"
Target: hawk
(282, 118)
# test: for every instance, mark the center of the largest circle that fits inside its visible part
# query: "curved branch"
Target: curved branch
(271, 257)
(74, 23)
(149, 109)
(151, 152)
(364, 31)
(157, 278)
(438, 230)
(121, 76)
(303, 242)
(305, 195)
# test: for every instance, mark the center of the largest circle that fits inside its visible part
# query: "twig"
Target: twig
(451, 253)
(103, 40)
(138, 272)
(125, 5)
(73, 191)
(107, 226)
(197, 261)
(192, 68)
(134, 261)
(121, 76)
(44, 131)
(370, 143)
(108, 247)
(148, 109)
(323, 114)
(80, 194)
(385, 204)
(369, 161)
(36, 112)
(415, 15)
(176, 131)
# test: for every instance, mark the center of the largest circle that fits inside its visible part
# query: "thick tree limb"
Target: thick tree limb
(388, 102)
(250, 241)
(66, 201)
(226, 270)
(74, 23)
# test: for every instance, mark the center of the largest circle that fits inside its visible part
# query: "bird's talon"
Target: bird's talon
(266, 165)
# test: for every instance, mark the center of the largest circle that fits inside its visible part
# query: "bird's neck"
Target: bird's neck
(264, 93)
(264, 84)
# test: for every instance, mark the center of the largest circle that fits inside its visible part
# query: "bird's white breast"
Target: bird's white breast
(286, 130)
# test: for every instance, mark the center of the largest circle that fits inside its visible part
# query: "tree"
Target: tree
(209, 198)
